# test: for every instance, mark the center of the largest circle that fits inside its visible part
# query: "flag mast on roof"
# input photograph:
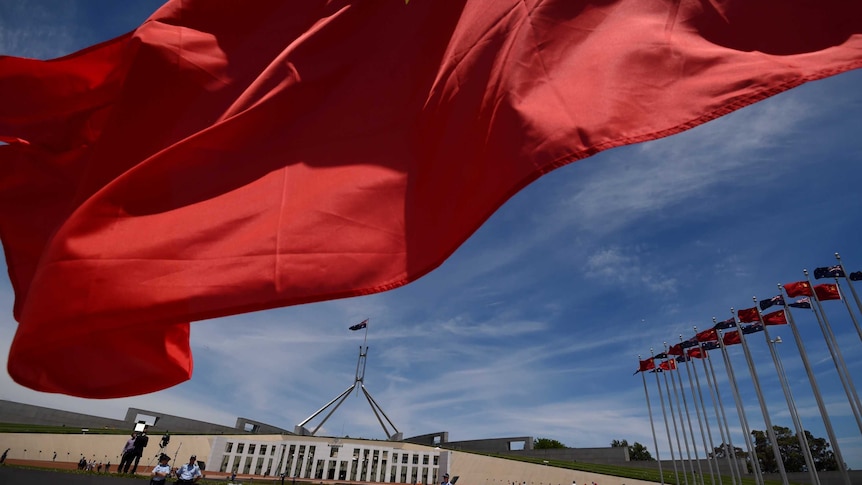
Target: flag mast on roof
(395, 435)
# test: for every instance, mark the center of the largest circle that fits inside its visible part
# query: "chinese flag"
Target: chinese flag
(645, 365)
(799, 288)
(775, 318)
(748, 315)
(731, 338)
(229, 156)
(827, 291)
(669, 364)
(707, 335)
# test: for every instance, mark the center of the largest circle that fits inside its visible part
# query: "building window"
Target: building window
(251, 448)
(239, 448)
(415, 459)
(228, 447)
(262, 449)
(404, 458)
(424, 459)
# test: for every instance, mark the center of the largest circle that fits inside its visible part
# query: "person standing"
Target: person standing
(190, 472)
(162, 471)
(127, 455)
(445, 480)
(140, 443)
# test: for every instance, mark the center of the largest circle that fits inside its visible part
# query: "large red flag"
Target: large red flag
(731, 338)
(233, 156)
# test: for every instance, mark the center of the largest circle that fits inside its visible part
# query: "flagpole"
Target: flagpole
(715, 395)
(852, 290)
(740, 409)
(673, 420)
(762, 401)
(788, 396)
(816, 389)
(666, 426)
(688, 416)
(681, 423)
(711, 447)
(651, 424)
(837, 357)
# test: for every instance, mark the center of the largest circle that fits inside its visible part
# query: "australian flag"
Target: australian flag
(856, 276)
(710, 345)
(775, 300)
(801, 303)
(724, 325)
(829, 272)
(359, 325)
(754, 327)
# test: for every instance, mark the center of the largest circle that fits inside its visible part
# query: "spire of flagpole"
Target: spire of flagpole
(816, 390)
(652, 425)
(726, 440)
(688, 417)
(740, 410)
(666, 425)
(708, 434)
(852, 290)
(837, 357)
(788, 396)
(762, 401)
(673, 420)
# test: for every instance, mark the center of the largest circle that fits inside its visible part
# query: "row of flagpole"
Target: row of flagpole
(730, 332)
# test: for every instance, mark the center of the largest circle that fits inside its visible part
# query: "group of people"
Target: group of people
(92, 465)
(188, 473)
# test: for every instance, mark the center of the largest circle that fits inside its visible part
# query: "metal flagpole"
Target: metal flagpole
(666, 426)
(711, 447)
(726, 440)
(688, 415)
(681, 424)
(651, 425)
(852, 291)
(743, 420)
(762, 401)
(673, 420)
(788, 396)
(816, 389)
(837, 357)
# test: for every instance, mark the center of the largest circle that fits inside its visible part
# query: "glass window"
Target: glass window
(251, 448)
(228, 447)
(262, 449)
(239, 447)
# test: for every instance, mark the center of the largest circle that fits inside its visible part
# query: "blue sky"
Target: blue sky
(533, 327)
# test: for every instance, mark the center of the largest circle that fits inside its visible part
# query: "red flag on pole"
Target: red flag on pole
(827, 291)
(227, 157)
(775, 318)
(669, 364)
(731, 338)
(645, 365)
(748, 315)
(707, 335)
(798, 288)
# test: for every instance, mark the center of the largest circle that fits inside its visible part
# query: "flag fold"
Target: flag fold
(225, 158)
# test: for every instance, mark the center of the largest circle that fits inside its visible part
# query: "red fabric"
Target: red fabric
(799, 288)
(675, 350)
(775, 318)
(696, 353)
(645, 365)
(731, 338)
(827, 291)
(707, 335)
(232, 156)
(668, 364)
(748, 315)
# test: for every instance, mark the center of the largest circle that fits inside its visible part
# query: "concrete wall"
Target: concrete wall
(490, 445)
